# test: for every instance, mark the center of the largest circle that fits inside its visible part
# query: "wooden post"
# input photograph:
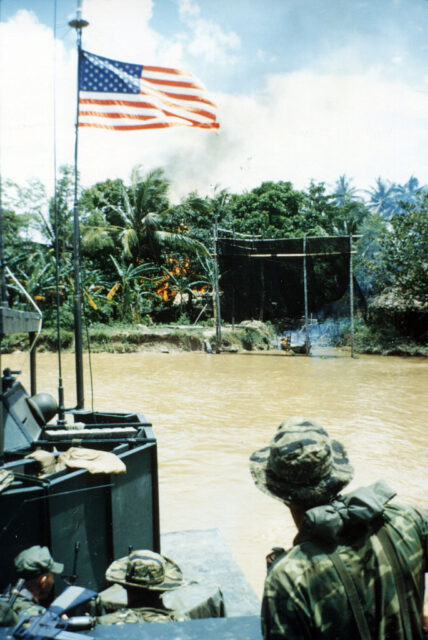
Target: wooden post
(217, 292)
(351, 295)
(305, 292)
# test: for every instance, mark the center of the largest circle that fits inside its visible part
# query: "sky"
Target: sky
(306, 90)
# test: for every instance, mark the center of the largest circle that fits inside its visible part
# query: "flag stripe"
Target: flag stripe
(113, 93)
(132, 104)
(154, 125)
(132, 116)
(165, 70)
(138, 99)
(172, 83)
(146, 88)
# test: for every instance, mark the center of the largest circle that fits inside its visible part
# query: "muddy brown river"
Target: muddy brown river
(210, 412)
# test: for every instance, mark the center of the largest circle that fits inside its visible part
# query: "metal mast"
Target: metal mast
(78, 24)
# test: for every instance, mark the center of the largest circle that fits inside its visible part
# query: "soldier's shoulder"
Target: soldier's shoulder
(407, 516)
(295, 564)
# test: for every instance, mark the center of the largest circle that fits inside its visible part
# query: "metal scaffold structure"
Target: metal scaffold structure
(285, 277)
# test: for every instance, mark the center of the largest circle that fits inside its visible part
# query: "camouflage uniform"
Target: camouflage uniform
(162, 590)
(25, 603)
(304, 595)
(305, 598)
(134, 615)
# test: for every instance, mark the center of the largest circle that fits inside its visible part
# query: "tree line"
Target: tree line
(145, 259)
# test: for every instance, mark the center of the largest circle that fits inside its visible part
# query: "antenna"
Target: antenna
(61, 410)
(78, 24)
(3, 290)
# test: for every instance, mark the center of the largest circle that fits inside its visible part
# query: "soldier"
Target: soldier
(154, 591)
(35, 570)
(356, 569)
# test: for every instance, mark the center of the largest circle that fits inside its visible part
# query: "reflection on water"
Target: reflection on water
(211, 411)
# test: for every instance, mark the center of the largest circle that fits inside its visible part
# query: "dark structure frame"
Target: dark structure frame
(294, 252)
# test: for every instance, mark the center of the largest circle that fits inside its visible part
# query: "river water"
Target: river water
(210, 412)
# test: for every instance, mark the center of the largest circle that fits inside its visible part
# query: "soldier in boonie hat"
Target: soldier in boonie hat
(155, 592)
(349, 547)
(145, 570)
(146, 575)
(302, 466)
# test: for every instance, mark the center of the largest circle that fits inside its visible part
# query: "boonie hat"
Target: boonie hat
(302, 465)
(145, 569)
(35, 561)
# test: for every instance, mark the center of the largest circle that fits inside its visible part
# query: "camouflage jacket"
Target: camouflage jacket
(24, 603)
(304, 598)
(133, 616)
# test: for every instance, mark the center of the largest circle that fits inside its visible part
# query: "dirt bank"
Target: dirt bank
(247, 336)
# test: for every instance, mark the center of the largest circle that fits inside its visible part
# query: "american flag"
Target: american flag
(124, 96)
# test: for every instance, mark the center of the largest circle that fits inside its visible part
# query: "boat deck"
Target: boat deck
(245, 628)
(204, 556)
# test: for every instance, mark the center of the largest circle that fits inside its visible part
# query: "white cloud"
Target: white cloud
(307, 126)
(188, 8)
(208, 41)
(27, 107)
(125, 34)
(301, 126)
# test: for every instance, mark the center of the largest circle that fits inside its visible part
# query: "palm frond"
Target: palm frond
(129, 239)
(179, 241)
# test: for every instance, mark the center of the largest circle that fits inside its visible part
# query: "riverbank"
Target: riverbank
(246, 336)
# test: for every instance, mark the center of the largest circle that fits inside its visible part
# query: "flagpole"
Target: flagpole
(78, 24)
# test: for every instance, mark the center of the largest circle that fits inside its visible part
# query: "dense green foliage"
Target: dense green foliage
(146, 260)
(403, 266)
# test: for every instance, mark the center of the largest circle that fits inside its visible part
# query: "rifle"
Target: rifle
(73, 578)
(50, 624)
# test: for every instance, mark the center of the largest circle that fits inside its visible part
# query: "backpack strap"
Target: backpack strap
(352, 594)
(399, 578)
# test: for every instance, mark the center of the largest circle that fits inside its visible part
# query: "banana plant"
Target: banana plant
(134, 286)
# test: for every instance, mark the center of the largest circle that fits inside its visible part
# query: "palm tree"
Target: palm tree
(344, 191)
(383, 198)
(408, 193)
(139, 220)
(352, 216)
